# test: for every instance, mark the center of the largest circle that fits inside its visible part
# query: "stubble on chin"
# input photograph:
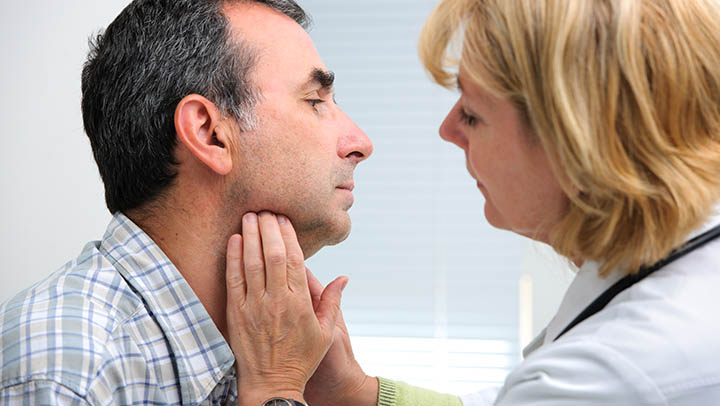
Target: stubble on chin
(315, 234)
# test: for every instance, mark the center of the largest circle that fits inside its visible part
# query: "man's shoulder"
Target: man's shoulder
(63, 328)
(88, 287)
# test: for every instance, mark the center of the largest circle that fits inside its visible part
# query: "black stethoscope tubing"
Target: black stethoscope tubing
(629, 280)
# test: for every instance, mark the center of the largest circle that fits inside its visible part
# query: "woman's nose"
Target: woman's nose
(451, 131)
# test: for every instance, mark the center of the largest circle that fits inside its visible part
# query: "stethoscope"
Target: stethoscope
(626, 282)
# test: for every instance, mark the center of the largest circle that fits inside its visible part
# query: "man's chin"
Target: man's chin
(328, 234)
(341, 237)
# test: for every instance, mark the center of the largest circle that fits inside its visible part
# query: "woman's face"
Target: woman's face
(512, 169)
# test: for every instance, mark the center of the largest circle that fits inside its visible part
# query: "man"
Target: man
(198, 111)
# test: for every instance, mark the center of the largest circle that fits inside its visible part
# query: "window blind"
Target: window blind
(433, 293)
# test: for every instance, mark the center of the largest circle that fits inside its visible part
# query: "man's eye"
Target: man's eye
(315, 102)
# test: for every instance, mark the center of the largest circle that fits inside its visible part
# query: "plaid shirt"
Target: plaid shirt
(118, 325)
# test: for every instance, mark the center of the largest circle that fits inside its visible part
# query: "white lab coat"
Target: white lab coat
(656, 343)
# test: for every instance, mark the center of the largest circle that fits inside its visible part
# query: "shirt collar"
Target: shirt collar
(584, 289)
(713, 221)
(587, 286)
(203, 357)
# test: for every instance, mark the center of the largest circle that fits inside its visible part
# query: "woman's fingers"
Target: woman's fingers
(274, 254)
(234, 275)
(316, 288)
(253, 263)
(296, 277)
(329, 307)
(277, 336)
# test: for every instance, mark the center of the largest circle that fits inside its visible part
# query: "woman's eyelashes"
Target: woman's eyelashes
(467, 118)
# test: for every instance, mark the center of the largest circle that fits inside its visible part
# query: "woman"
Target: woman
(594, 127)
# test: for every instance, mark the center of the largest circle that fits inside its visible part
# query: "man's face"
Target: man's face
(299, 161)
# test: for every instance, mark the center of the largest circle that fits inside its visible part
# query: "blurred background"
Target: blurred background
(437, 297)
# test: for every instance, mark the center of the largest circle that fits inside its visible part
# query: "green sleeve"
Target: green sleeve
(394, 393)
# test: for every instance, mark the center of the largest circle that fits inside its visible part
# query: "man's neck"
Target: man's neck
(196, 246)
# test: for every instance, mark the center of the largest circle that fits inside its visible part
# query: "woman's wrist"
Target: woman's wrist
(366, 394)
(258, 397)
(369, 393)
(255, 390)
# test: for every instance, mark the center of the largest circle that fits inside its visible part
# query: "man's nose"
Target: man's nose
(449, 130)
(354, 143)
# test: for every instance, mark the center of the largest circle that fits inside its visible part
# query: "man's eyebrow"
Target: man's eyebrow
(323, 78)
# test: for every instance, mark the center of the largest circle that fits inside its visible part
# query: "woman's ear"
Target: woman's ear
(201, 128)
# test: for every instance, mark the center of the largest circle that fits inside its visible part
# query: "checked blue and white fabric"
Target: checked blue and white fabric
(118, 325)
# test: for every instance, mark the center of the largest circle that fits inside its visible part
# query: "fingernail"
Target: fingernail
(344, 285)
(281, 219)
(234, 241)
(251, 218)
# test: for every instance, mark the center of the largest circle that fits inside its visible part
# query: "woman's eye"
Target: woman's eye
(467, 119)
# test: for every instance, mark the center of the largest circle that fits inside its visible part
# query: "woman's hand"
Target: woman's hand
(339, 380)
(277, 335)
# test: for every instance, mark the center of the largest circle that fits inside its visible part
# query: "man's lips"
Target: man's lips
(347, 186)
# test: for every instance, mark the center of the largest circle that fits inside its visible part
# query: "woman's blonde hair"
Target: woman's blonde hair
(623, 95)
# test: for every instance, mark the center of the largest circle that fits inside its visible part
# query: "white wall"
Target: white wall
(52, 197)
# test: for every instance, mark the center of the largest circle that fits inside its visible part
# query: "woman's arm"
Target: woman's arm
(281, 322)
(339, 380)
(394, 393)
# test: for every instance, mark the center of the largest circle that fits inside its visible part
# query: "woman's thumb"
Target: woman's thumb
(329, 306)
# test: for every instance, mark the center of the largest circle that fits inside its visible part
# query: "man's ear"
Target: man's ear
(201, 128)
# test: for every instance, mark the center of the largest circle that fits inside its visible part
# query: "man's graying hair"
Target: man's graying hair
(149, 58)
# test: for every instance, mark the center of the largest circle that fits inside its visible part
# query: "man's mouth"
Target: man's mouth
(347, 186)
